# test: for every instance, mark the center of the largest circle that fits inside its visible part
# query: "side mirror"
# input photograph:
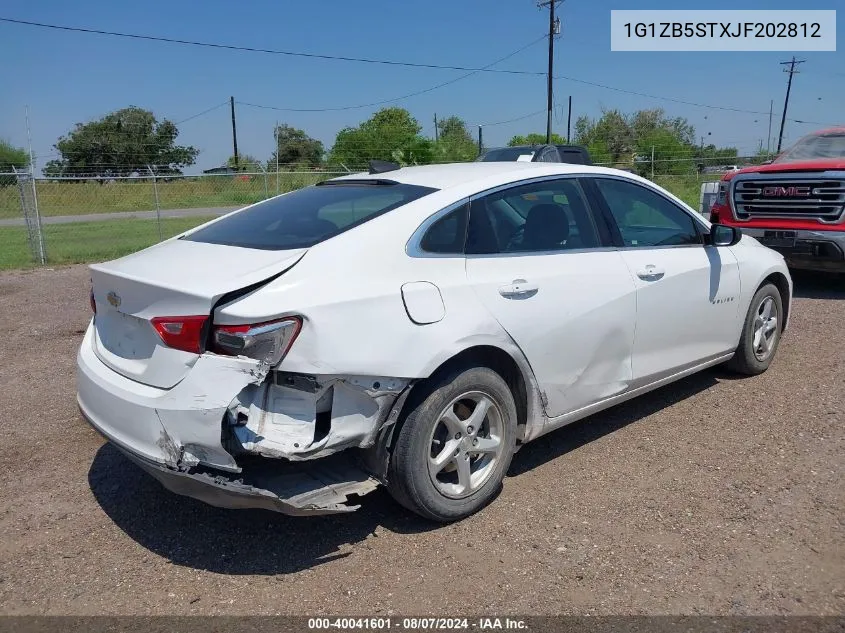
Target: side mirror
(723, 235)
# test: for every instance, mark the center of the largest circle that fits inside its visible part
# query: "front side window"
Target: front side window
(308, 216)
(537, 217)
(644, 217)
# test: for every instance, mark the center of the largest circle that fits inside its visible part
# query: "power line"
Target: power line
(650, 96)
(395, 99)
(250, 49)
(519, 118)
(199, 114)
(674, 100)
(486, 69)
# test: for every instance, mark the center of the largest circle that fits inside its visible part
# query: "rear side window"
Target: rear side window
(309, 216)
(447, 235)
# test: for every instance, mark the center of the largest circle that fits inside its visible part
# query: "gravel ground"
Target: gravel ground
(714, 495)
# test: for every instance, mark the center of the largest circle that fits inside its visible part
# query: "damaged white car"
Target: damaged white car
(411, 327)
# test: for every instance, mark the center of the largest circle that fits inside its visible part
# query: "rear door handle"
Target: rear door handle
(651, 273)
(518, 289)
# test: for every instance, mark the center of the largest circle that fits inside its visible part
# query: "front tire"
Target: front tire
(760, 333)
(455, 445)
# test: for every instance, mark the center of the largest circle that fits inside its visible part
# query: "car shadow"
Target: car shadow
(190, 533)
(817, 285)
(193, 534)
(575, 435)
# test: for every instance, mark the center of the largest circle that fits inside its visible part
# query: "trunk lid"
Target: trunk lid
(174, 278)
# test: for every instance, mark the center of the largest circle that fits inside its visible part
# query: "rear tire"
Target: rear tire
(760, 333)
(455, 445)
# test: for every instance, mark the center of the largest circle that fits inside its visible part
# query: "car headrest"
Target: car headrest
(546, 227)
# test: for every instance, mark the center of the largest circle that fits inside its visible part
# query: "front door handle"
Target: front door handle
(518, 289)
(651, 273)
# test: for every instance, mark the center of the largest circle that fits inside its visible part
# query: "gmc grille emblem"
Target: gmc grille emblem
(786, 192)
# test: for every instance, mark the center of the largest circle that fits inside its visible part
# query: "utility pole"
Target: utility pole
(480, 144)
(29, 141)
(436, 137)
(569, 122)
(554, 26)
(234, 132)
(791, 72)
(769, 135)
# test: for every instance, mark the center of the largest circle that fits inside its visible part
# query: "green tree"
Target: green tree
(121, 142)
(245, 163)
(644, 121)
(610, 137)
(11, 157)
(647, 140)
(535, 139)
(295, 147)
(390, 134)
(670, 154)
(454, 143)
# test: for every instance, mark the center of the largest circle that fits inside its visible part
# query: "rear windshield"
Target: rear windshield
(308, 216)
(815, 146)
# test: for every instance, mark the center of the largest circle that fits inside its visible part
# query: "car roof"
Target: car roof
(448, 175)
(836, 129)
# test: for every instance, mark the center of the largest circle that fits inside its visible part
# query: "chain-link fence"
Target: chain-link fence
(67, 220)
(82, 219)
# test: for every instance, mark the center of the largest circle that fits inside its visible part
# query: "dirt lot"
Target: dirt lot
(714, 495)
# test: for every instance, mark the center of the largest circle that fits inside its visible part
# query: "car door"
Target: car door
(544, 268)
(687, 292)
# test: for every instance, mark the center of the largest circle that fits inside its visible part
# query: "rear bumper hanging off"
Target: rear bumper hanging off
(235, 435)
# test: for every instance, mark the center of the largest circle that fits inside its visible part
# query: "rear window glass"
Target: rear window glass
(308, 216)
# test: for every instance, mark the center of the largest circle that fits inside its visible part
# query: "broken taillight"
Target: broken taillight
(268, 342)
(181, 332)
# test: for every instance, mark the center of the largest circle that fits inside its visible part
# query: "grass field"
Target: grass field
(89, 241)
(97, 241)
(74, 197)
(80, 197)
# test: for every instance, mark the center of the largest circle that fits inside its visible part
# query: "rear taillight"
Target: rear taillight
(268, 342)
(182, 332)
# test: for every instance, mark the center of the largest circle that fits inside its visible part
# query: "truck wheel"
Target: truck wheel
(455, 445)
(760, 333)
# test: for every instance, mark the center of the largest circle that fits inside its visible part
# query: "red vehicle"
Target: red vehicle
(795, 204)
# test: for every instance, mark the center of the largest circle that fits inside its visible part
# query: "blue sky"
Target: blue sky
(66, 78)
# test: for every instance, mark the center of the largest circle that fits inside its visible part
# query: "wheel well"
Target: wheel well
(781, 283)
(499, 361)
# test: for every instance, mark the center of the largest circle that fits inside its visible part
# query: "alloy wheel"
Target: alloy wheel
(465, 444)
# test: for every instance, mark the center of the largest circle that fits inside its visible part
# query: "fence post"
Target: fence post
(652, 162)
(158, 206)
(31, 215)
(264, 172)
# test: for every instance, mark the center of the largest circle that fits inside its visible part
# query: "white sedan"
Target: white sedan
(412, 327)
